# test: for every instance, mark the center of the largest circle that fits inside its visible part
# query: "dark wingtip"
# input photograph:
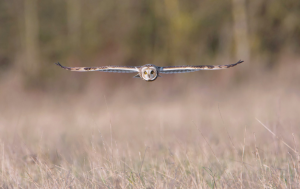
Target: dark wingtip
(240, 61)
(57, 63)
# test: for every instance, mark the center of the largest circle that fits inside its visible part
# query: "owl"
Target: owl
(149, 72)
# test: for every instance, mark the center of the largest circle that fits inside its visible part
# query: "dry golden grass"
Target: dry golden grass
(154, 135)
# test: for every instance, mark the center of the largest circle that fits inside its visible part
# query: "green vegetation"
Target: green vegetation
(35, 34)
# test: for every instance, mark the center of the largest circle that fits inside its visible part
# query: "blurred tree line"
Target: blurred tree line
(35, 34)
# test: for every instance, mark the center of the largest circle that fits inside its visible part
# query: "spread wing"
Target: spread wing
(185, 69)
(116, 69)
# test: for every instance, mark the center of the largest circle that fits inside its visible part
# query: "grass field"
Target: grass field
(172, 133)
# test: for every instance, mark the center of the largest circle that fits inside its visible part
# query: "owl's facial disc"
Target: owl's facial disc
(149, 73)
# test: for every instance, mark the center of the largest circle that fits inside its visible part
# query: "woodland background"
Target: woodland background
(35, 34)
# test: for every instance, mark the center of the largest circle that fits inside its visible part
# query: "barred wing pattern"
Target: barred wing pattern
(185, 69)
(115, 69)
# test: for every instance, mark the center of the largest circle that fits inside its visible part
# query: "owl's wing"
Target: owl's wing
(116, 69)
(185, 69)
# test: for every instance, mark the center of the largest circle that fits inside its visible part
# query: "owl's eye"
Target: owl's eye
(152, 72)
(145, 72)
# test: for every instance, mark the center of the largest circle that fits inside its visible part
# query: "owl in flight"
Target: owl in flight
(149, 72)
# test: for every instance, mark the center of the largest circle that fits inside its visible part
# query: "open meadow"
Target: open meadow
(183, 131)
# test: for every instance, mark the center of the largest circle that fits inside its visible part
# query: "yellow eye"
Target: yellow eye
(152, 72)
(145, 72)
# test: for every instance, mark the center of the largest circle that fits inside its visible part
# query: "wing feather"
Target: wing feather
(115, 69)
(185, 69)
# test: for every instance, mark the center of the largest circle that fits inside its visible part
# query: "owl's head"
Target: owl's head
(149, 72)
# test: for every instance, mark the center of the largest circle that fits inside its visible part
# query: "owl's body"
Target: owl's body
(149, 72)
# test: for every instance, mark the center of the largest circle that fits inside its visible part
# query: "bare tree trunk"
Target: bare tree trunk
(31, 38)
(74, 24)
(240, 29)
(176, 31)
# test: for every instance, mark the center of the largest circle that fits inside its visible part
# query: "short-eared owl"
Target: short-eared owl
(149, 72)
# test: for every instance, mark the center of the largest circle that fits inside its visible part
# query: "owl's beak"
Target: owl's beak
(149, 76)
